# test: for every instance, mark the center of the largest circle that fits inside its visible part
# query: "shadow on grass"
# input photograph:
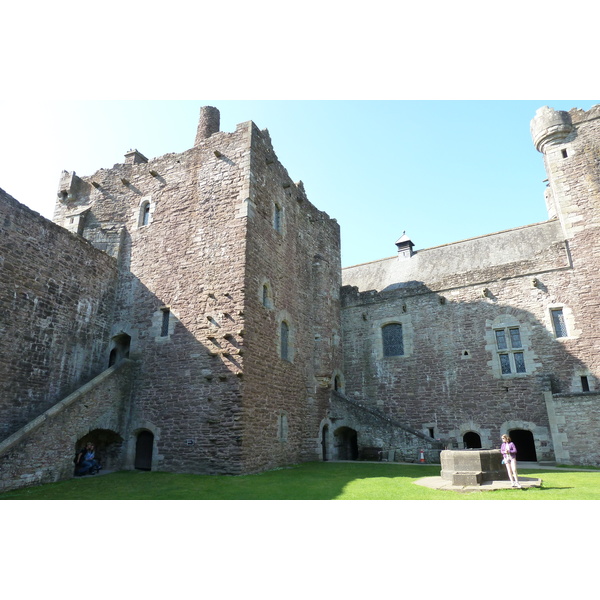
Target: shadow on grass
(308, 481)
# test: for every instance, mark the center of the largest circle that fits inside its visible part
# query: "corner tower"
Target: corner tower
(570, 143)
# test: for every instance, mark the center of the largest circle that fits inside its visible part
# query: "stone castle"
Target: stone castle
(189, 313)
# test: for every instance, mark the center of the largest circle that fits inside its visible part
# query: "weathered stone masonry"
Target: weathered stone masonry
(188, 313)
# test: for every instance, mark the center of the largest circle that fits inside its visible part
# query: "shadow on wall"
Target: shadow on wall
(476, 368)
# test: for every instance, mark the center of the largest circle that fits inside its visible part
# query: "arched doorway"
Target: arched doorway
(346, 442)
(471, 440)
(325, 442)
(523, 440)
(143, 450)
(120, 350)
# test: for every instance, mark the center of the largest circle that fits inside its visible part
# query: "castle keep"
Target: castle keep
(189, 313)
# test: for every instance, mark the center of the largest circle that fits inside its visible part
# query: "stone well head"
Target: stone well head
(473, 461)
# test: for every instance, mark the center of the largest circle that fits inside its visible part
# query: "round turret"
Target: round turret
(550, 126)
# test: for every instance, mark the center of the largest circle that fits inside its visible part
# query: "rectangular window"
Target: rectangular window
(164, 332)
(277, 218)
(512, 360)
(393, 341)
(585, 384)
(558, 321)
(505, 364)
(515, 338)
(519, 362)
(501, 339)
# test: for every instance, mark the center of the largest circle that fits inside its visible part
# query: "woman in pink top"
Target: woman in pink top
(509, 456)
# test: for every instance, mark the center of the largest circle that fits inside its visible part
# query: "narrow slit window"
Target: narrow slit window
(285, 340)
(564, 153)
(277, 218)
(164, 331)
(585, 384)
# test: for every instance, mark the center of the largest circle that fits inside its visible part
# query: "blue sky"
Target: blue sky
(440, 170)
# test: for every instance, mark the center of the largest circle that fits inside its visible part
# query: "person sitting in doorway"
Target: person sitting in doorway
(86, 462)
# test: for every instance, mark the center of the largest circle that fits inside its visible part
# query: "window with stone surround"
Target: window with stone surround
(277, 218)
(510, 350)
(267, 295)
(144, 218)
(282, 427)
(393, 339)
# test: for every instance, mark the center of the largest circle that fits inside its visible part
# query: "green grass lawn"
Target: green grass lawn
(309, 481)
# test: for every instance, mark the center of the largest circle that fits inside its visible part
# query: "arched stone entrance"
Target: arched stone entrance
(108, 445)
(144, 446)
(346, 443)
(471, 440)
(120, 348)
(525, 443)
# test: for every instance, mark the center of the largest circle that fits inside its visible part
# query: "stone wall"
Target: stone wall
(450, 301)
(293, 277)
(43, 451)
(178, 224)
(57, 297)
(575, 420)
(379, 437)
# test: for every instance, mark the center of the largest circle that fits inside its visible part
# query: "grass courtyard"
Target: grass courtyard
(309, 481)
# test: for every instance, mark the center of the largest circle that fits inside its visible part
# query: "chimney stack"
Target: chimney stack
(210, 122)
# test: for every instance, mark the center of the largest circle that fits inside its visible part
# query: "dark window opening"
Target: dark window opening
(472, 440)
(431, 432)
(393, 341)
(277, 218)
(164, 331)
(585, 384)
(145, 214)
(285, 339)
(564, 153)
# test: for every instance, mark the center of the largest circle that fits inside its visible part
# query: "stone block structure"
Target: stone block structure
(189, 313)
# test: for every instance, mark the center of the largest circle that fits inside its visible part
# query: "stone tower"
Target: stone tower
(218, 286)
